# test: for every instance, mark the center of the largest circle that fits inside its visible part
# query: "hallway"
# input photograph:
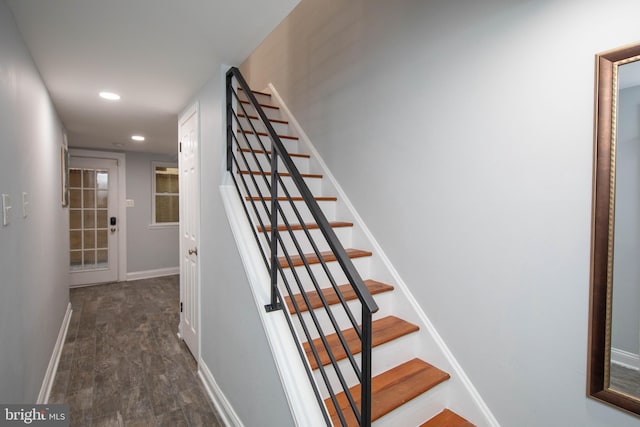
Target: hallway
(122, 363)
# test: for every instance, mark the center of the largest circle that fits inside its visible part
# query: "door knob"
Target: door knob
(193, 251)
(113, 229)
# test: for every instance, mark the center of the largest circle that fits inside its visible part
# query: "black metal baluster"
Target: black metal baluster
(275, 304)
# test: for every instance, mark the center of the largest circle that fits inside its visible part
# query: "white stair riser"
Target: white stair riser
(271, 113)
(420, 409)
(343, 233)
(361, 264)
(327, 207)
(314, 184)
(302, 163)
(250, 124)
(384, 357)
(338, 311)
(291, 145)
(262, 99)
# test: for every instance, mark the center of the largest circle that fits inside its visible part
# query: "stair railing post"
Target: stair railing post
(365, 388)
(229, 122)
(275, 304)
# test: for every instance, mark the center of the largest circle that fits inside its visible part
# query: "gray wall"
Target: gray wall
(463, 134)
(148, 247)
(234, 346)
(34, 277)
(625, 330)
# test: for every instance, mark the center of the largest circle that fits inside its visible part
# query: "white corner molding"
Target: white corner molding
(295, 382)
(377, 249)
(52, 369)
(150, 274)
(625, 358)
(219, 400)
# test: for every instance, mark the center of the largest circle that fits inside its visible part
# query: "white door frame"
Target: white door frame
(122, 205)
(188, 112)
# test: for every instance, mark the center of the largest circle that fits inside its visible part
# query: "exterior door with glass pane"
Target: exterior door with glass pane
(93, 236)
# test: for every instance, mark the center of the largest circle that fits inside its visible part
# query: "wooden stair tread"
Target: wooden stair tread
(256, 92)
(447, 418)
(383, 330)
(295, 199)
(327, 256)
(252, 117)
(304, 175)
(309, 226)
(390, 390)
(273, 107)
(331, 296)
(249, 150)
(250, 132)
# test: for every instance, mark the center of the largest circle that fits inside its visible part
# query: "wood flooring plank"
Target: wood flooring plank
(447, 418)
(249, 150)
(331, 296)
(390, 390)
(295, 199)
(327, 256)
(250, 132)
(308, 226)
(304, 175)
(252, 117)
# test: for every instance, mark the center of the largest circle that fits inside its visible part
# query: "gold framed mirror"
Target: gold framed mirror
(614, 329)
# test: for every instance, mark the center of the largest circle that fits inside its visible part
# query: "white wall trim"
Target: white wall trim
(377, 249)
(223, 407)
(52, 369)
(122, 201)
(149, 274)
(297, 387)
(625, 358)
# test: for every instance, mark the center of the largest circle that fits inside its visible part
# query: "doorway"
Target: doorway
(189, 162)
(96, 223)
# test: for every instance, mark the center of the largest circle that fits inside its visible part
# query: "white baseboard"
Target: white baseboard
(150, 274)
(50, 374)
(625, 358)
(222, 405)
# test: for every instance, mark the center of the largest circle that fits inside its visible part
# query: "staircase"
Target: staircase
(406, 388)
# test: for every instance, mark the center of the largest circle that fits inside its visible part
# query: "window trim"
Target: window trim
(153, 223)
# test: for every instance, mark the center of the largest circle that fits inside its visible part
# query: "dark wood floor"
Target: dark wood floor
(625, 380)
(122, 363)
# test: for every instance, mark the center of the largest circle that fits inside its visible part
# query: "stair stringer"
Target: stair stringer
(461, 395)
(295, 382)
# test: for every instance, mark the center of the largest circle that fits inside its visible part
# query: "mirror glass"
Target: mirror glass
(624, 373)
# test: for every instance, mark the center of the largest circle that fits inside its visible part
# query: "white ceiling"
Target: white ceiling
(155, 53)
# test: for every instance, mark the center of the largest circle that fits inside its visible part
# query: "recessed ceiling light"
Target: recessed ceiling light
(137, 138)
(110, 96)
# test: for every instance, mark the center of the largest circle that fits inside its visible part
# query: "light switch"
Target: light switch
(25, 205)
(6, 209)
(130, 203)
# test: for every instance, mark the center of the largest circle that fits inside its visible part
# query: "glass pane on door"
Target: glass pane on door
(88, 219)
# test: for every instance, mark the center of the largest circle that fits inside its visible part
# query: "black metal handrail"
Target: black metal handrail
(270, 204)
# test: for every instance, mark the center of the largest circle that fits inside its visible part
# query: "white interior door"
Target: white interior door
(93, 222)
(189, 159)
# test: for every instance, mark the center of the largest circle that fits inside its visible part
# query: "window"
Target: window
(165, 206)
